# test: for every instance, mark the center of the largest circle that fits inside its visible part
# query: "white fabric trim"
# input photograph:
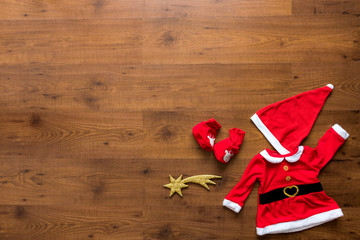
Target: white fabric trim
(330, 86)
(269, 136)
(302, 224)
(231, 205)
(293, 158)
(271, 159)
(340, 131)
(296, 156)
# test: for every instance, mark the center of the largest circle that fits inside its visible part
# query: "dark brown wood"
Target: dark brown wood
(327, 7)
(289, 39)
(98, 99)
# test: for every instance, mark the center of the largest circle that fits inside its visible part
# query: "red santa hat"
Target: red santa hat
(286, 123)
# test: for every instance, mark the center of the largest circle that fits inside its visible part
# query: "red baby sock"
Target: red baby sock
(205, 133)
(230, 146)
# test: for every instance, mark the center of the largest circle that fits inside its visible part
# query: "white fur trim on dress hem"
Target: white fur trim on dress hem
(231, 205)
(299, 225)
(340, 131)
(269, 136)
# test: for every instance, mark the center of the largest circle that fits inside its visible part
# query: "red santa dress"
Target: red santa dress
(290, 197)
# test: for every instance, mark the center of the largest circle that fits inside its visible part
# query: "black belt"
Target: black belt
(289, 191)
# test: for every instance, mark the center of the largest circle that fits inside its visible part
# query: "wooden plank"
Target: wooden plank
(70, 42)
(126, 87)
(325, 7)
(54, 222)
(134, 9)
(116, 87)
(82, 182)
(216, 9)
(43, 135)
(251, 40)
(67, 9)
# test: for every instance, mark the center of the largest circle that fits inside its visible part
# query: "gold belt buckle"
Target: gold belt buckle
(290, 187)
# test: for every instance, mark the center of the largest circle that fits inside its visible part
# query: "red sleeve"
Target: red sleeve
(328, 146)
(237, 196)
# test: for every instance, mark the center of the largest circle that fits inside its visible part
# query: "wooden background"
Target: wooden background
(98, 99)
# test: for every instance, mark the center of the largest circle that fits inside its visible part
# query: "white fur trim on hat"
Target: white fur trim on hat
(269, 136)
(330, 86)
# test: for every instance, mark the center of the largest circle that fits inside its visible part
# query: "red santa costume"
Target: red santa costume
(291, 197)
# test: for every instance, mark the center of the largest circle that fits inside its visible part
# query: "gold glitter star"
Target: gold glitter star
(175, 185)
(178, 184)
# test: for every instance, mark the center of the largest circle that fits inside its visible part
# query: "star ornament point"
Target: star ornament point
(175, 185)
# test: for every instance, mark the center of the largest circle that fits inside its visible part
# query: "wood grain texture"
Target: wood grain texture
(251, 40)
(67, 9)
(325, 7)
(70, 41)
(101, 9)
(215, 8)
(98, 99)
(164, 87)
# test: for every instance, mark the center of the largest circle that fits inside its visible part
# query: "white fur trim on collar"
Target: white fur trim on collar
(293, 158)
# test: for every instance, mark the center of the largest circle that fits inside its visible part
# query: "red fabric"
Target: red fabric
(273, 175)
(291, 120)
(227, 148)
(205, 131)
